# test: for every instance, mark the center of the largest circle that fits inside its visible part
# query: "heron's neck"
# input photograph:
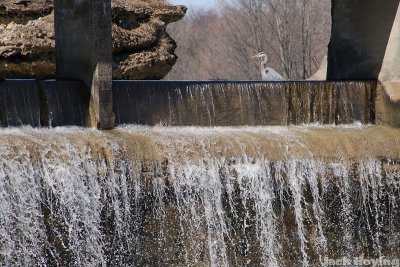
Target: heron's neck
(264, 61)
(263, 66)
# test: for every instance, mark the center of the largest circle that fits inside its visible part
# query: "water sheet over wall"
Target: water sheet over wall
(235, 103)
(43, 103)
(191, 103)
(64, 102)
(19, 103)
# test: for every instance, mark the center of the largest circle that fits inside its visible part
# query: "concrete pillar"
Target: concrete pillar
(84, 52)
(360, 34)
(388, 91)
(390, 71)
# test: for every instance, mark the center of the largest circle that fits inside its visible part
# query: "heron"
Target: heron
(267, 73)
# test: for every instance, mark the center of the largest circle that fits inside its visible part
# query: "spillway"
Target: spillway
(238, 103)
(191, 103)
(194, 196)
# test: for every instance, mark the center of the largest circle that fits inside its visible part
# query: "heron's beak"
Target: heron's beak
(255, 56)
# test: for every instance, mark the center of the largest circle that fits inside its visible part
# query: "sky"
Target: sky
(196, 4)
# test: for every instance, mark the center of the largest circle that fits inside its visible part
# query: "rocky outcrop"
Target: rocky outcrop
(22, 11)
(28, 50)
(142, 47)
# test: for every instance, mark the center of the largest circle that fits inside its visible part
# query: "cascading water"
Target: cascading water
(238, 103)
(191, 103)
(138, 196)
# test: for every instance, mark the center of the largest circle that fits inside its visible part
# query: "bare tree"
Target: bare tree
(217, 45)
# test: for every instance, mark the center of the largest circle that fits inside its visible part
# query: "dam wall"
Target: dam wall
(219, 103)
(43, 103)
(64, 102)
(19, 103)
(190, 103)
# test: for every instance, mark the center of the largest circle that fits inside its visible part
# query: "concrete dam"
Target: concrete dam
(203, 173)
(191, 103)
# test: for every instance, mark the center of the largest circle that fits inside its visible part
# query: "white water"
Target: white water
(75, 197)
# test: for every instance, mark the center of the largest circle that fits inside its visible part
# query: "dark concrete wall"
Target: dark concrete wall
(360, 34)
(73, 40)
(19, 103)
(84, 52)
(186, 103)
(63, 102)
(66, 102)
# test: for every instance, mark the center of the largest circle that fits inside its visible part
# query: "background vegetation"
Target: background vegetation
(217, 44)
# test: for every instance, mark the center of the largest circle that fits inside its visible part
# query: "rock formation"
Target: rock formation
(142, 47)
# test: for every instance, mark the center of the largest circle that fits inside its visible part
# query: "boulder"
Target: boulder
(142, 49)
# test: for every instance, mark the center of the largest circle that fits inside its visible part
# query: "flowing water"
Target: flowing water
(237, 103)
(165, 196)
(191, 103)
(19, 103)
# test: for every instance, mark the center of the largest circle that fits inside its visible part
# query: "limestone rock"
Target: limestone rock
(142, 47)
(22, 11)
(28, 50)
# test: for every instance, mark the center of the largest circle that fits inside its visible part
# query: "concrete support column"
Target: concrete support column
(84, 52)
(365, 45)
(388, 92)
(360, 35)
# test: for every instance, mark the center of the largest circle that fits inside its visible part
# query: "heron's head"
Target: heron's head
(259, 55)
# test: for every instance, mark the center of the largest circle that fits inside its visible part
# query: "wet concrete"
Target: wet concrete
(63, 103)
(19, 103)
(191, 103)
(84, 52)
(360, 36)
(220, 103)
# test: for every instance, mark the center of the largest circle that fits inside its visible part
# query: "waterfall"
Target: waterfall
(164, 196)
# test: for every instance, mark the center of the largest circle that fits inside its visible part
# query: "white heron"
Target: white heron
(267, 73)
